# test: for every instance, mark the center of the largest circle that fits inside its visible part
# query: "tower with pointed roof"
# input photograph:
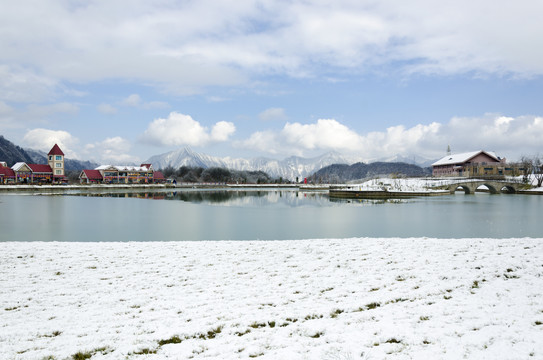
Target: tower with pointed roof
(55, 159)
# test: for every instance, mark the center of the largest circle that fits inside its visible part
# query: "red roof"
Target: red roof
(93, 174)
(158, 175)
(148, 166)
(55, 150)
(5, 171)
(39, 168)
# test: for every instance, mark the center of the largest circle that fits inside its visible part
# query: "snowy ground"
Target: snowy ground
(314, 299)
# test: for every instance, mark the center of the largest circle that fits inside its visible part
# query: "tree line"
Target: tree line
(193, 174)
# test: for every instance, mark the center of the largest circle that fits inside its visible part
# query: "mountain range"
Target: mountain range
(290, 168)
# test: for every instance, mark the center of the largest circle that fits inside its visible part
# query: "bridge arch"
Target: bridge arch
(491, 188)
(464, 188)
(508, 189)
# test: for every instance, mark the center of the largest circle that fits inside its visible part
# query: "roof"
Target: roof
(92, 174)
(463, 157)
(5, 171)
(122, 168)
(148, 166)
(18, 166)
(55, 150)
(40, 168)
(158, 175)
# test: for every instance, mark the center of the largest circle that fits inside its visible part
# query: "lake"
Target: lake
(258, 214)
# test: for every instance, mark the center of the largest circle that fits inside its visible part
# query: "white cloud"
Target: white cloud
(132, 100)
(107, 109)
(508, 136)
(44, 139)
(273, 114)
(222, 130)
(112, 151)
(186, 46)
(135, 100)
(179, 129)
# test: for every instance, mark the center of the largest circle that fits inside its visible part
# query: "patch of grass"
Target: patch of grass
(400, 278)
(257, 325)
(512, 276)
(447, 297)
(173, 340)
(373, 305)
(82, 355)
(393, 341)
(145, 351)
(58, 273)
(255, 355)
(11, 308)
(335, 313)
(242, 333)
(374, 289)
(271, 324)
(211, 333)
(317, 335)
(291, 320)
(313, 317)
(475, 284)
(424, 318)
(426, 342)
(538, 322)
(327, 289)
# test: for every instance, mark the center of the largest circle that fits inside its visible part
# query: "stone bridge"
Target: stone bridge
(494, 186)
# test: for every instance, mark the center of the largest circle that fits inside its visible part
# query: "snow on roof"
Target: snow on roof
(18, 166)
(122, 168)
(462, 158)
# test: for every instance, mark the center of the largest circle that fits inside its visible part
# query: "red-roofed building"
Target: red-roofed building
(41, 173)
(158, 177)
(55, 159)
(90, 176)
(7, 174)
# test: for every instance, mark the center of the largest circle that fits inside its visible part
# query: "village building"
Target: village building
(7, 175)
(125, 174)
(22, 172)
(55, 160)
(473, 164)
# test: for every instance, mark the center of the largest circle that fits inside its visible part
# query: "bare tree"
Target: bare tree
(532, 166)
(537, 168)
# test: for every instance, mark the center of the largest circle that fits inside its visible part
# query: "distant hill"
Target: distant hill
(289, 168)
(11, 153)
(339, 173)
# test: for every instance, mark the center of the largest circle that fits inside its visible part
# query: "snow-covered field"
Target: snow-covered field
(314, 299)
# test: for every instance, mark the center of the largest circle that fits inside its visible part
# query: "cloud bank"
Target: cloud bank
(179, 130)
(184, 47)
(510, 136)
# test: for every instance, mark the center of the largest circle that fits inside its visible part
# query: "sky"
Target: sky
(120, 81)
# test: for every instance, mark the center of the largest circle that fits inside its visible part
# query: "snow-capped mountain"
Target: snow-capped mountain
(289, 168)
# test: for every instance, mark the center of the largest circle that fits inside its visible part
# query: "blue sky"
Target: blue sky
(119, 81)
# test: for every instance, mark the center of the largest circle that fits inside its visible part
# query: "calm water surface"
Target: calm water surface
(258, 214)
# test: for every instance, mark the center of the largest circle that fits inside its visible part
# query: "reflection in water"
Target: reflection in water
(260, 214)
(242, 197)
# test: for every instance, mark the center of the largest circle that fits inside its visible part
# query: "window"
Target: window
(58, 157)
(59, 165)
(58, 172)
(50, 157)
